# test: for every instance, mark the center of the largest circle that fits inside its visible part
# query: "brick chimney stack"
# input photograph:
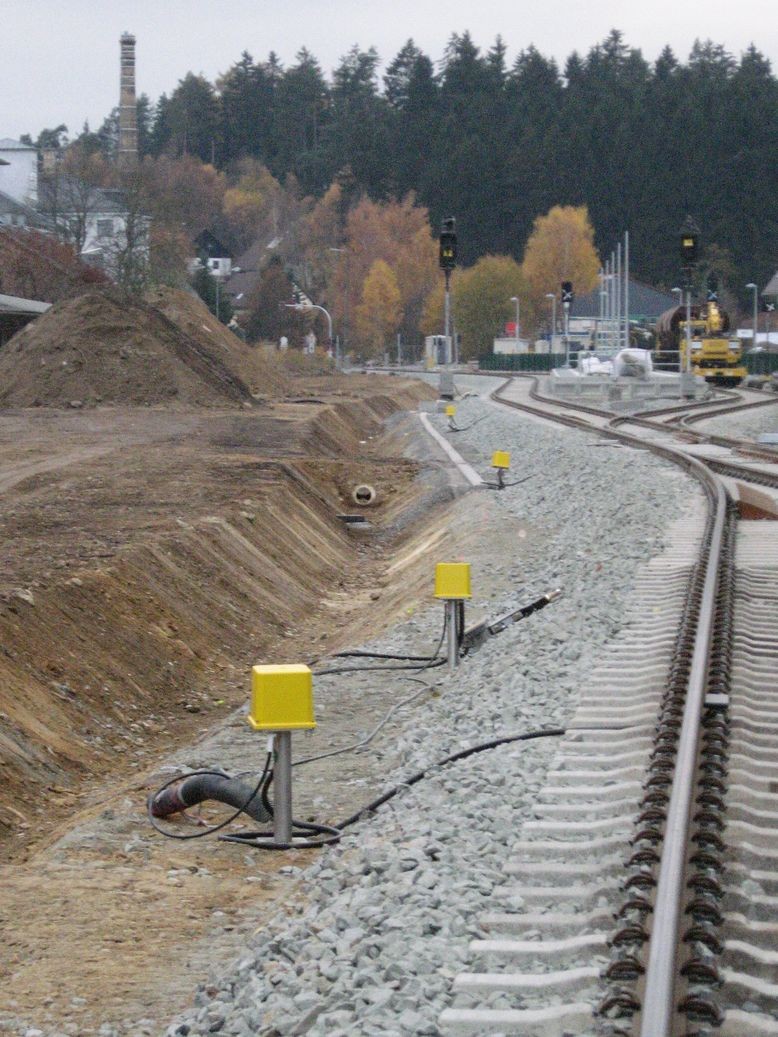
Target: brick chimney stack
(128, 117)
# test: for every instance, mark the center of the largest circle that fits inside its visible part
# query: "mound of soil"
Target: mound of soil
(103, 347)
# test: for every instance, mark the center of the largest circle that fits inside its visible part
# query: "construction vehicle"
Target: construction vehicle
(714, 355)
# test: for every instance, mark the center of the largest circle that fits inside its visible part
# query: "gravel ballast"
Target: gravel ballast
(747, 424)
(380, 924)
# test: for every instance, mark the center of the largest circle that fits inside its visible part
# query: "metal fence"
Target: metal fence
(755, 363)
(761, 363)
(520, 361)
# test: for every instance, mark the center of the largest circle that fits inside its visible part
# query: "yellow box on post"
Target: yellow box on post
(452, 580)
(450, 410)
(281, 698)
(501, 459)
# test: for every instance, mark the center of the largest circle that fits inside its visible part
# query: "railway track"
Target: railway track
(642, 898)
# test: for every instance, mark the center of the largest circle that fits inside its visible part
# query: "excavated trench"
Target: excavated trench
(144, 578)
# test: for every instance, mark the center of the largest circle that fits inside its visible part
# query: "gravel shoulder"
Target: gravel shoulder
(374, 929)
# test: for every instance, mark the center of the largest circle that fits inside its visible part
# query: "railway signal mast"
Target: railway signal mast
(690, 236)
(448, 262)
(568, 295)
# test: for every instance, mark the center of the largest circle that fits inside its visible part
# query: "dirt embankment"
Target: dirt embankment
(150, 559)
(104, 347)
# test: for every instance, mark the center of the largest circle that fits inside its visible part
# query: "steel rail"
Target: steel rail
(659, 1001)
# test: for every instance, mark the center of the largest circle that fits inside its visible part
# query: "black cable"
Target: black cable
(517, 482)
(213, 828)
(334, 832)
(430, 664)
(554, 732)
(459, 619)
(505, 485)
(430, 661)
(382, 655)
(466, 428)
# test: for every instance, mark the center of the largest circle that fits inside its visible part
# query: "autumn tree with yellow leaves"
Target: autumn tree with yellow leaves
(379, 312)
(560, 248)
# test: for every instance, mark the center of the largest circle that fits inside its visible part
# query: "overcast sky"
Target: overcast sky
(61, 57)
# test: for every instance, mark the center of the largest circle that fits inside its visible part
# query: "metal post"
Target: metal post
(626, 289)
(218, 317)
(756, 315)
(567, 334)
(688, 358)
(618, 296)
(399, 349)
(515, 298)
(553, 320)
(451, 635)
(282, 782)
(447, 318)
(613, 301)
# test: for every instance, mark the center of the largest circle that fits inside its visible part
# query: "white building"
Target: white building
(19, 170)
(97, 220)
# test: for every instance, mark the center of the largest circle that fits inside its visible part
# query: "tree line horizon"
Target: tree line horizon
(639, 143)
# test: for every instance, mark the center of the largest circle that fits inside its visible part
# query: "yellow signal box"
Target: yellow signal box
(452, 581)
(501, 459)
(450, 410)
(281, 698)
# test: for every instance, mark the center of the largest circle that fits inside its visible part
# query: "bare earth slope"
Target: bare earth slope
(102, 347)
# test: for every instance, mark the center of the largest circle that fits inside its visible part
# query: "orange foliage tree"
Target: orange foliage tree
(398, 233)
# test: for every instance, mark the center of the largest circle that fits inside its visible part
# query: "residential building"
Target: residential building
(19, 173)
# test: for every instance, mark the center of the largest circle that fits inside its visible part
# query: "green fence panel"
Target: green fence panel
(761, 363)
(520, 361)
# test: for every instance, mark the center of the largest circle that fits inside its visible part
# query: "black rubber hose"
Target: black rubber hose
(199, 787)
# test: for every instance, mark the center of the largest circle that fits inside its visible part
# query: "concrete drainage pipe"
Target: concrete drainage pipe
(364, 495)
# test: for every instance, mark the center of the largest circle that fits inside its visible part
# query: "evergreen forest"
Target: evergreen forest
(640, 143)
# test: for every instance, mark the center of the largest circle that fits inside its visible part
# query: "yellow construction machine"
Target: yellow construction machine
(714, 354)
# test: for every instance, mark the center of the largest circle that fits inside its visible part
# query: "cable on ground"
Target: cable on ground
(332, 833)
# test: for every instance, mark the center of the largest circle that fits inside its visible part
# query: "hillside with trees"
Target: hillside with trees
(367, 161)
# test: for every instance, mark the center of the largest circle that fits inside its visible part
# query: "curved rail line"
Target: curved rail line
(662, 974)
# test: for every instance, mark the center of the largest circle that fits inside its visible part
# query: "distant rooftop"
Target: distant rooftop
(645, 302)
(772, 286)
(7, 144)
(13, 304)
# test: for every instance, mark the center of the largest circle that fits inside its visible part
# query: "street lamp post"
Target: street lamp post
(515, 298)
(552, 297)
(346, 252)
(755, 290)
(311, 306)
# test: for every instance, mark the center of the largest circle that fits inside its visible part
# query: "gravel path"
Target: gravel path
(746, 424)
(381, 922)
